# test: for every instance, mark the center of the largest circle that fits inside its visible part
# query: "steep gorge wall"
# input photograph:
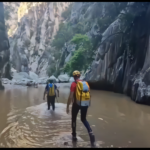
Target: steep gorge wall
(30, 47)
(4, 48)
(122, 61)
(11, 16)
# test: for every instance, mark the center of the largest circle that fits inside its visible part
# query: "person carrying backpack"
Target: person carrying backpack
(80, 95)
(50, 89)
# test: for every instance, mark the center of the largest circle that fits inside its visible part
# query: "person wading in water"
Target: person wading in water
(80, 96)
(51, 89)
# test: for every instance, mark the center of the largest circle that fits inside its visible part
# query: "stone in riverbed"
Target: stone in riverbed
(71, 79)
(63, 78)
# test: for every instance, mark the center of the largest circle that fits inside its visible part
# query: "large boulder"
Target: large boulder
(13, 71)
(55, 80)
(20, 75)
(22, 78)
(23, 81)
(33, 76)
(6, 81)
(63, 78)
(42, 80)
(71, 79)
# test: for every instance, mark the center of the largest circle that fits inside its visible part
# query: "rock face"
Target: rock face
(122, 61)
(11, 16)
(25, 79)
(38, 22)
(4, 48)
(71, 79)
(63, 78)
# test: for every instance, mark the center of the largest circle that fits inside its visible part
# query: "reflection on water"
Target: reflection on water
(114, 118)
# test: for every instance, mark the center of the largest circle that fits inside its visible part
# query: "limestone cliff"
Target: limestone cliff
(11, 16)
(4, 48)
(30, 47)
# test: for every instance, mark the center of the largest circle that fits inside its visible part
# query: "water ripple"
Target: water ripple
(37, 127)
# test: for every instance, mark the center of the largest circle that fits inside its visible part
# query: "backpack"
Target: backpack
(82, 93)
(51, 90)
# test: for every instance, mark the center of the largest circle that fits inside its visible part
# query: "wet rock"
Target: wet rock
(5, 81)
(33, 76)
(71, 79)
(42, 80)
(63, 78)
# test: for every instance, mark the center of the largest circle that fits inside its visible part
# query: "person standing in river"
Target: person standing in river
(51, 89)
(80, 96)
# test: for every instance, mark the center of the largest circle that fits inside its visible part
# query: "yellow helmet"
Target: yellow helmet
(76, 73)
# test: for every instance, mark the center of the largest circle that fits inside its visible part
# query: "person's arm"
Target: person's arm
(70, 98)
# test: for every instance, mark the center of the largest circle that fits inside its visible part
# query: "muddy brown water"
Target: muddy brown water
(115, 119)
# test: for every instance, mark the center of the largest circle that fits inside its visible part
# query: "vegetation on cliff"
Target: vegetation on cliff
(81, 28)
(82, 55)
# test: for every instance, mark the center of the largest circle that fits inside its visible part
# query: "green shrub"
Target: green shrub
(82, 40)
(57, 55)
(82, 56)
(64, 34)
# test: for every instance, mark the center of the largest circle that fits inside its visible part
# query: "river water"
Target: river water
(25, 121)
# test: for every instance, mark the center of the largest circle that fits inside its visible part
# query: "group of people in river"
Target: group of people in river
(80, 98)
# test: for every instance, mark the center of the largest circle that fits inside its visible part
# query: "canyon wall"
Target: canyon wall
(4, 48)
(30, 48)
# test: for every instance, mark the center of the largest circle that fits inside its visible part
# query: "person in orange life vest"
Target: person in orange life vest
(75, 109)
